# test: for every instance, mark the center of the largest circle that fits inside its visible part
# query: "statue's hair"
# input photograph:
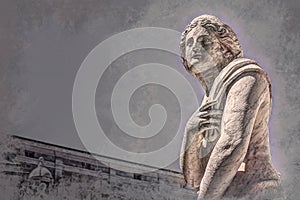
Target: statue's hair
(231, 47)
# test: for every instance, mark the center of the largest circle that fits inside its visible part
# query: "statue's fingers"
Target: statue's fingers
(208, 105)
(199, 114)
(206, 128)
(211, 121)
(211, 113)
(194, 123)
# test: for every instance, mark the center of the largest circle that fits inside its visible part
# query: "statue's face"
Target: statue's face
(203, 51)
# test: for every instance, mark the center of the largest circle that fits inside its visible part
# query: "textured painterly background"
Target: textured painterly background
(43, 43)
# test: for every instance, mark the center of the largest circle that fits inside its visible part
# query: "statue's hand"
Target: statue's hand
(210, 119)
(205, 118)
(212, 122)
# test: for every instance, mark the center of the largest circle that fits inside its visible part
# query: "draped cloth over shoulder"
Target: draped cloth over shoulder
(194, 156)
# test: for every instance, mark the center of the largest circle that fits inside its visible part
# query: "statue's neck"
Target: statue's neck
(207, 79)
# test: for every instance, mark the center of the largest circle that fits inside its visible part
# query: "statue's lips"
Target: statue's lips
(198, 56)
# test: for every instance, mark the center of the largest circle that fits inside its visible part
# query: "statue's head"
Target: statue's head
(207, 42)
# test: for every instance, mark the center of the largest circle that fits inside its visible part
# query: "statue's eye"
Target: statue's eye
(206, 42)
(190, 42)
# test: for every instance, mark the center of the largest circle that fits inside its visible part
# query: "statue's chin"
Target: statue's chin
(207, 68)
(201, 70)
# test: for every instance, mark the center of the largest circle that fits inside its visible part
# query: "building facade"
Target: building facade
(41, 170)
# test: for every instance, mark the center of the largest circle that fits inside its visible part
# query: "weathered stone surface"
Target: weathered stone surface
(225, 151)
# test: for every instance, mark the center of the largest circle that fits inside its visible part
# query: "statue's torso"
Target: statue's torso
(258, 172)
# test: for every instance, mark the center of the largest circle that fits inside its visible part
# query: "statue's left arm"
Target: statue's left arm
(242, 103)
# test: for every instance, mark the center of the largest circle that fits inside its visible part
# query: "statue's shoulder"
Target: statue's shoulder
(239, 66)
(236, 70)
(248, 72)
(248, 67)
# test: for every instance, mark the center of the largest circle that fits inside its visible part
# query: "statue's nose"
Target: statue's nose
(197, 48)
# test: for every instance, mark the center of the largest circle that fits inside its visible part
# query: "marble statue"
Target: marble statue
(225, 150)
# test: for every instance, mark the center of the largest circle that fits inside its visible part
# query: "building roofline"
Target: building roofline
(93, 154)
